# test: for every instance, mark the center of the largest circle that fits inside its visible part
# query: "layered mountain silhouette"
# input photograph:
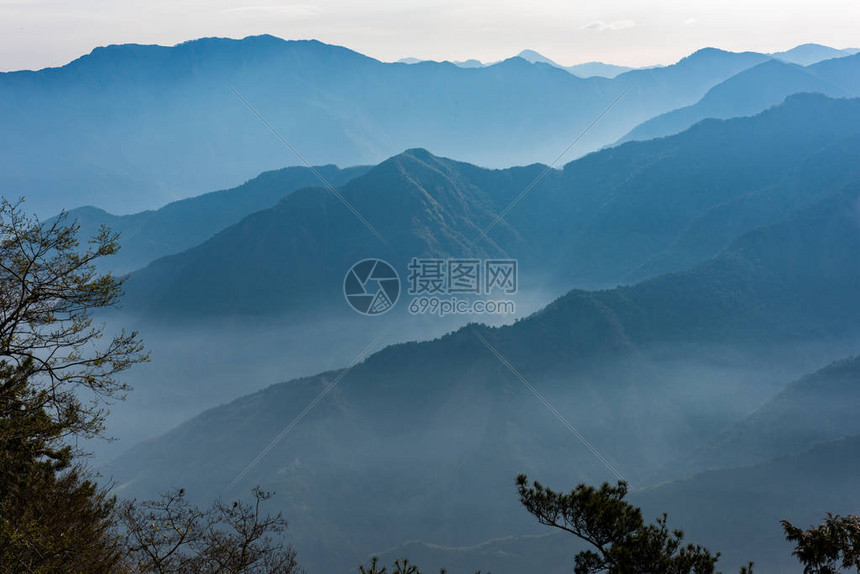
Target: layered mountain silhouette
(807, 54)
(292, 257)
(183, 224)
(131, 127)
(818, 408)
(624, 213)
(756, 89)
(431, 434)
(831, 168)
(687, 318)
(585, 70)
(269, 289)
(736, 510)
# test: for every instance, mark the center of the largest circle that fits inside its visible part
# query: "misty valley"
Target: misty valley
(330, 308)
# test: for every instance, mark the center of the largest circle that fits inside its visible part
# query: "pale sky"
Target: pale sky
(40, 33)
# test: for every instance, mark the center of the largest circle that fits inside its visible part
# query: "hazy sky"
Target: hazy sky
(39, 33)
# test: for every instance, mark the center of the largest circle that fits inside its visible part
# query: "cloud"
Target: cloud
(689, 21)
(601, 26)
(295, 10)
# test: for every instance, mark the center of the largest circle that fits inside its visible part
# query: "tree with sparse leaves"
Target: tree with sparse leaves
(49, 290)
(402, 566)
(829, 547)
(173, 536)
(56, 375)
(621, 540)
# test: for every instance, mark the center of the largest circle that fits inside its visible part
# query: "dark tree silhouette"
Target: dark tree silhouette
(56, 375)
(829, 547)
(402, 566)
(172, 536)
(52, 519)
(615, 529)
(49, 289)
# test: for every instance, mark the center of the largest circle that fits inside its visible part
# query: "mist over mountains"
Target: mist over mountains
(818, 408)
(804, 55)
(180, 225)
(687, 302)
(162, 123)
(807, 54)
(757, 89)
(279, 272)
(574, 229)
(595, 355)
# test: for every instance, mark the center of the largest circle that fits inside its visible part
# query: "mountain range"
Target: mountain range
(804, 55)
(736, 510)
(586, 70)
(131, 127)
(267, 290)
(807, 54)
(180, 225)
(757, 89)
(576, 226)
(686, 316)
(816, 409)
(431, 434)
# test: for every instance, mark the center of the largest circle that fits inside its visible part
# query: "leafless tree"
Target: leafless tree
(171, 535)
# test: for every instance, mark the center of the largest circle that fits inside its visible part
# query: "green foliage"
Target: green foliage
(52, 518)
(57, 522)
(49, 289)
(615, 529)
(827, 547)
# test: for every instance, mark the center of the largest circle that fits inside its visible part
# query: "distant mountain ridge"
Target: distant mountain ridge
(132, 127)
(755, 89)
(807, 54)
(181, 225)
(710, 281)
(591, 353)
(803, 54)
(575, 227)
(585, 70)
(817, 408)
(618, 216)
